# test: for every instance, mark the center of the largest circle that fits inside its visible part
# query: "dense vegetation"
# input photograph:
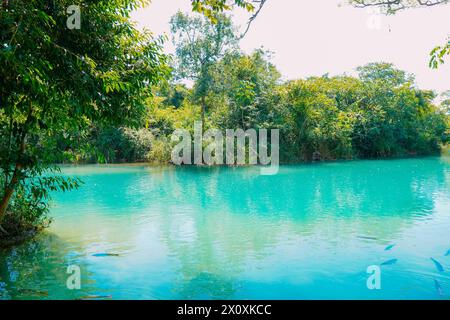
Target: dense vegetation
(342, 117)
(378, 113)
(105, 93)
(55, 81)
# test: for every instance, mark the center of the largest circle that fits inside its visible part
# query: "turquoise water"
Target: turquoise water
(309, 232)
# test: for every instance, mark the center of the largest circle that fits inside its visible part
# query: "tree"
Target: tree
(247, 84)
(380, 114)
(320, 118)
(199, 45)
(397, 118)
(210, 8)
(54, 80)
(445, 102)
(384, 72)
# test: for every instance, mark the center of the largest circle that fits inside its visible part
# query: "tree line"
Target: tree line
(378, 113)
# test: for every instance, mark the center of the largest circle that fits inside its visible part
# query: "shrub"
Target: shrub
(27, 212)
(160, 152)
(135, 144)
(25, 216)
(123, 144)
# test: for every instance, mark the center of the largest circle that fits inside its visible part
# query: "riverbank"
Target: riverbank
(7, 240)
(15, 231)
(444, 151)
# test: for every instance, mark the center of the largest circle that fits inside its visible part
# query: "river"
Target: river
(309, 232)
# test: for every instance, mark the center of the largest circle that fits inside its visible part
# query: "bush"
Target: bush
(26, 215)
(135, 144)
(160, 152)
(123, 144)
(27, 212)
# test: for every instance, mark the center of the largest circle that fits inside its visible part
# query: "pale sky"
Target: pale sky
(314, 37)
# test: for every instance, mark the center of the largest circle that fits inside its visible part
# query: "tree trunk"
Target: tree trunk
(5, 202)
(9, 191)
(203, 111)
(15, 179)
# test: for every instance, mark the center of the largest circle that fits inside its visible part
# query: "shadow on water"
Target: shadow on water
(37, 269)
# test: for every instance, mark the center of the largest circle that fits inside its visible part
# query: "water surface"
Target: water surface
(309, 232)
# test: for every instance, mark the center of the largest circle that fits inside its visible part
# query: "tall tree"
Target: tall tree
(54, 79)
(199, 45)
(245, 84)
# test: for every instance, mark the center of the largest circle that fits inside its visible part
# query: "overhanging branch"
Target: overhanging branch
(260, 5)
(392, 6)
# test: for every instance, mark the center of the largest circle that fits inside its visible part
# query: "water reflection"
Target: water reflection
(193, 233)
(38, 269)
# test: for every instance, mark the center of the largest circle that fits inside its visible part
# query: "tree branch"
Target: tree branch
(254, 16)
(392, 6)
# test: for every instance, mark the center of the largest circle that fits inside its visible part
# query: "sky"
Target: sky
(315, 37)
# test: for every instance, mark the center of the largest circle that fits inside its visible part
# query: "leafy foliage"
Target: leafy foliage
(123, 144)
(28, 208)
(242, 91)
(438, 54)
(199, 45)
(381, 113)
(55, 81)
(210, 8)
